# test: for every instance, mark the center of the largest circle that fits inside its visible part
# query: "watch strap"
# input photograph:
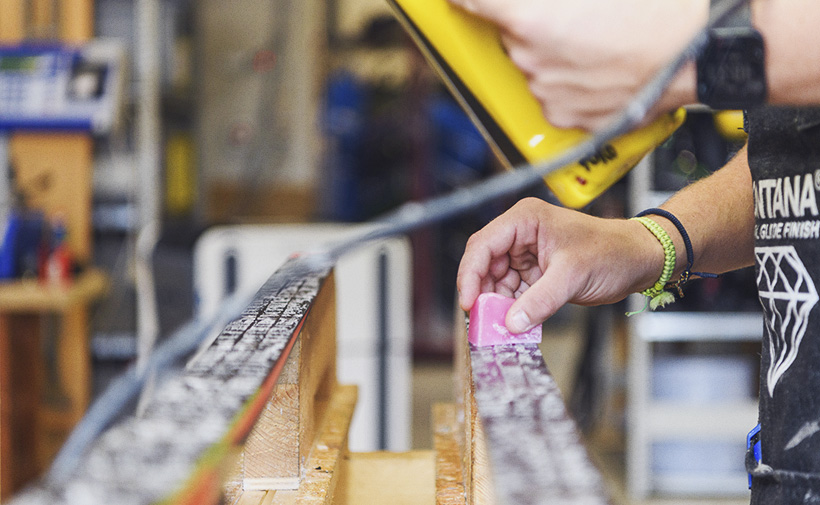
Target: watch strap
(740, 17)
(731, 71)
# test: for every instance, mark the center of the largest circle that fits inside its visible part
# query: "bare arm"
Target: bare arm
(585, 59)
(789, 28)
(548, 256)
(718, 214)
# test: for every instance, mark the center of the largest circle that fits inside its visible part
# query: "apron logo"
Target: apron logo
(787, 197)
(788, 294)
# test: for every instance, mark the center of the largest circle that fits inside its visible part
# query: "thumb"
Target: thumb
(540, 302)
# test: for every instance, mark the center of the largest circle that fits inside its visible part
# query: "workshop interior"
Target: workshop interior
(159, 158)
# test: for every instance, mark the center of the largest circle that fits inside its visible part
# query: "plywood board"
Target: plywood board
(450, 488)
(397, 478)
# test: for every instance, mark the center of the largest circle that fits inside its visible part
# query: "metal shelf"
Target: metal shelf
(653, 421)
(699, 326)
(679, 420)
(720, 485)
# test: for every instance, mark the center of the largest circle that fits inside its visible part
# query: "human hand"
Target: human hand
(585, 59)
(547, 256)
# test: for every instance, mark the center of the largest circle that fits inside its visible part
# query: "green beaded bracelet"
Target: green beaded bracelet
(657, 295)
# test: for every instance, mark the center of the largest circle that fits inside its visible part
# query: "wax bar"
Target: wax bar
(487, 323)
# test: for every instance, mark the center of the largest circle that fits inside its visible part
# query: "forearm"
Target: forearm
(718, 214)
(789, 29)
(792, 42)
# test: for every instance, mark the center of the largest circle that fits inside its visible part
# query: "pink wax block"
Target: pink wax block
(487, 323)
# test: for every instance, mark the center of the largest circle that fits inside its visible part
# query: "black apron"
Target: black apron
(784, 157)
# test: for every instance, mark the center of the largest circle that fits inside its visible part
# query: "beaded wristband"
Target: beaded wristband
(656, 293)
(687, 272)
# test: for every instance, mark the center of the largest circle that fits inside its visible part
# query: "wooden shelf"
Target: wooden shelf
(23, 371)
(31, 296)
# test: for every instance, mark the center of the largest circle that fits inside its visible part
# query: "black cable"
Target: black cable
(406, 218)
(124, 389)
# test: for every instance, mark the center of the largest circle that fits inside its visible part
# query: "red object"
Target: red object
(56, 265)
(264, 61)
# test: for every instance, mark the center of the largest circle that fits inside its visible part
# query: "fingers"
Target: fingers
(543, 256)
(541, 301)
(484, 264)
(503, 256)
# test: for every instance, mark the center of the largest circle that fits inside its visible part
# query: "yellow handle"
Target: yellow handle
(467, 53)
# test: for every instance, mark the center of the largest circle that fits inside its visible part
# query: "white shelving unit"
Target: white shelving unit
(687, 444)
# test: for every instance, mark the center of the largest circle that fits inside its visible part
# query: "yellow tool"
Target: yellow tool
(467, 53)
(729, 124)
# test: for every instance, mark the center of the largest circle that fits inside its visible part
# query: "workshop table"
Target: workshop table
(45, 370)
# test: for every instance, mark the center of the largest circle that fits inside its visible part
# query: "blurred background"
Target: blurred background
(158, 155)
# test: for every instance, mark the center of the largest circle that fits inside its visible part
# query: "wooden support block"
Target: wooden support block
(322, 469)
(397, 478)
(250, 498)
(317, 366)
(271, 456)
(465, 402)
(281, 497)
(450, 488)
(335, 476)
(233, 486)
(482, 485)
(277, 450)
(474, 457)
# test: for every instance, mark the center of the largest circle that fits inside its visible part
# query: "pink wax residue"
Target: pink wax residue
(487, 323)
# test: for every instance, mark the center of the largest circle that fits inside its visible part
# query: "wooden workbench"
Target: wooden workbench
(45, 381)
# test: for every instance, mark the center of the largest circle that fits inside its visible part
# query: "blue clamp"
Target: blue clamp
(753, 453)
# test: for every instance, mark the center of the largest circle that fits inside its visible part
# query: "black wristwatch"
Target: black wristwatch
(732, 68)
